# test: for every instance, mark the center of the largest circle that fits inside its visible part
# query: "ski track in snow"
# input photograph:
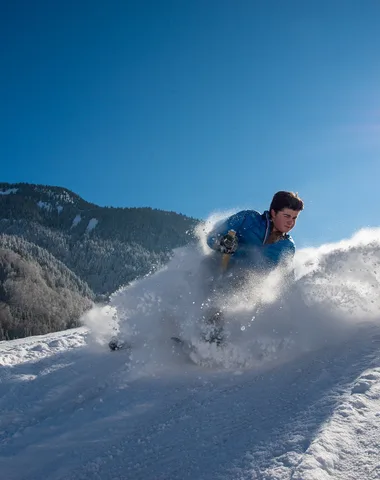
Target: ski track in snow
(79, 414)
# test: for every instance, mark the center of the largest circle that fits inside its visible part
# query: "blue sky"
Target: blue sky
(199, 105)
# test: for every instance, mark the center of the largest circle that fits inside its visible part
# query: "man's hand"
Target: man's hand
(228, 243)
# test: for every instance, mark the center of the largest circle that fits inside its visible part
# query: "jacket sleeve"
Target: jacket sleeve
(233, 222)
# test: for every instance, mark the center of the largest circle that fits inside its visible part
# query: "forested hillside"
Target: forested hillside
(106, 247)
(38, 294)
(58, 253)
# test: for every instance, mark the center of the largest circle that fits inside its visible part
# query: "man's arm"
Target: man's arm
(233, 222)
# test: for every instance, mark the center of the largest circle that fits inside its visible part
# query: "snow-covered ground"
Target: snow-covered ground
(295, 394)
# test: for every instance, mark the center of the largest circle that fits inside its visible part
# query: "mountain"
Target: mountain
(38, 293)
(293, 394)
(104, 246)
(59, 253)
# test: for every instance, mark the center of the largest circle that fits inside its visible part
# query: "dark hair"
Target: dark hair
(283, 200)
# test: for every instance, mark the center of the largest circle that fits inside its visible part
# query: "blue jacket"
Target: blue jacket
(252, 230)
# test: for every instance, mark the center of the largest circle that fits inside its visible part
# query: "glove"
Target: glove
(228, 243)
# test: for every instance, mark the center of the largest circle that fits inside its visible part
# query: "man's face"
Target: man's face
(284, 220)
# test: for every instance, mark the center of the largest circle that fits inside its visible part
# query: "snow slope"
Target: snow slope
(295, 395)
